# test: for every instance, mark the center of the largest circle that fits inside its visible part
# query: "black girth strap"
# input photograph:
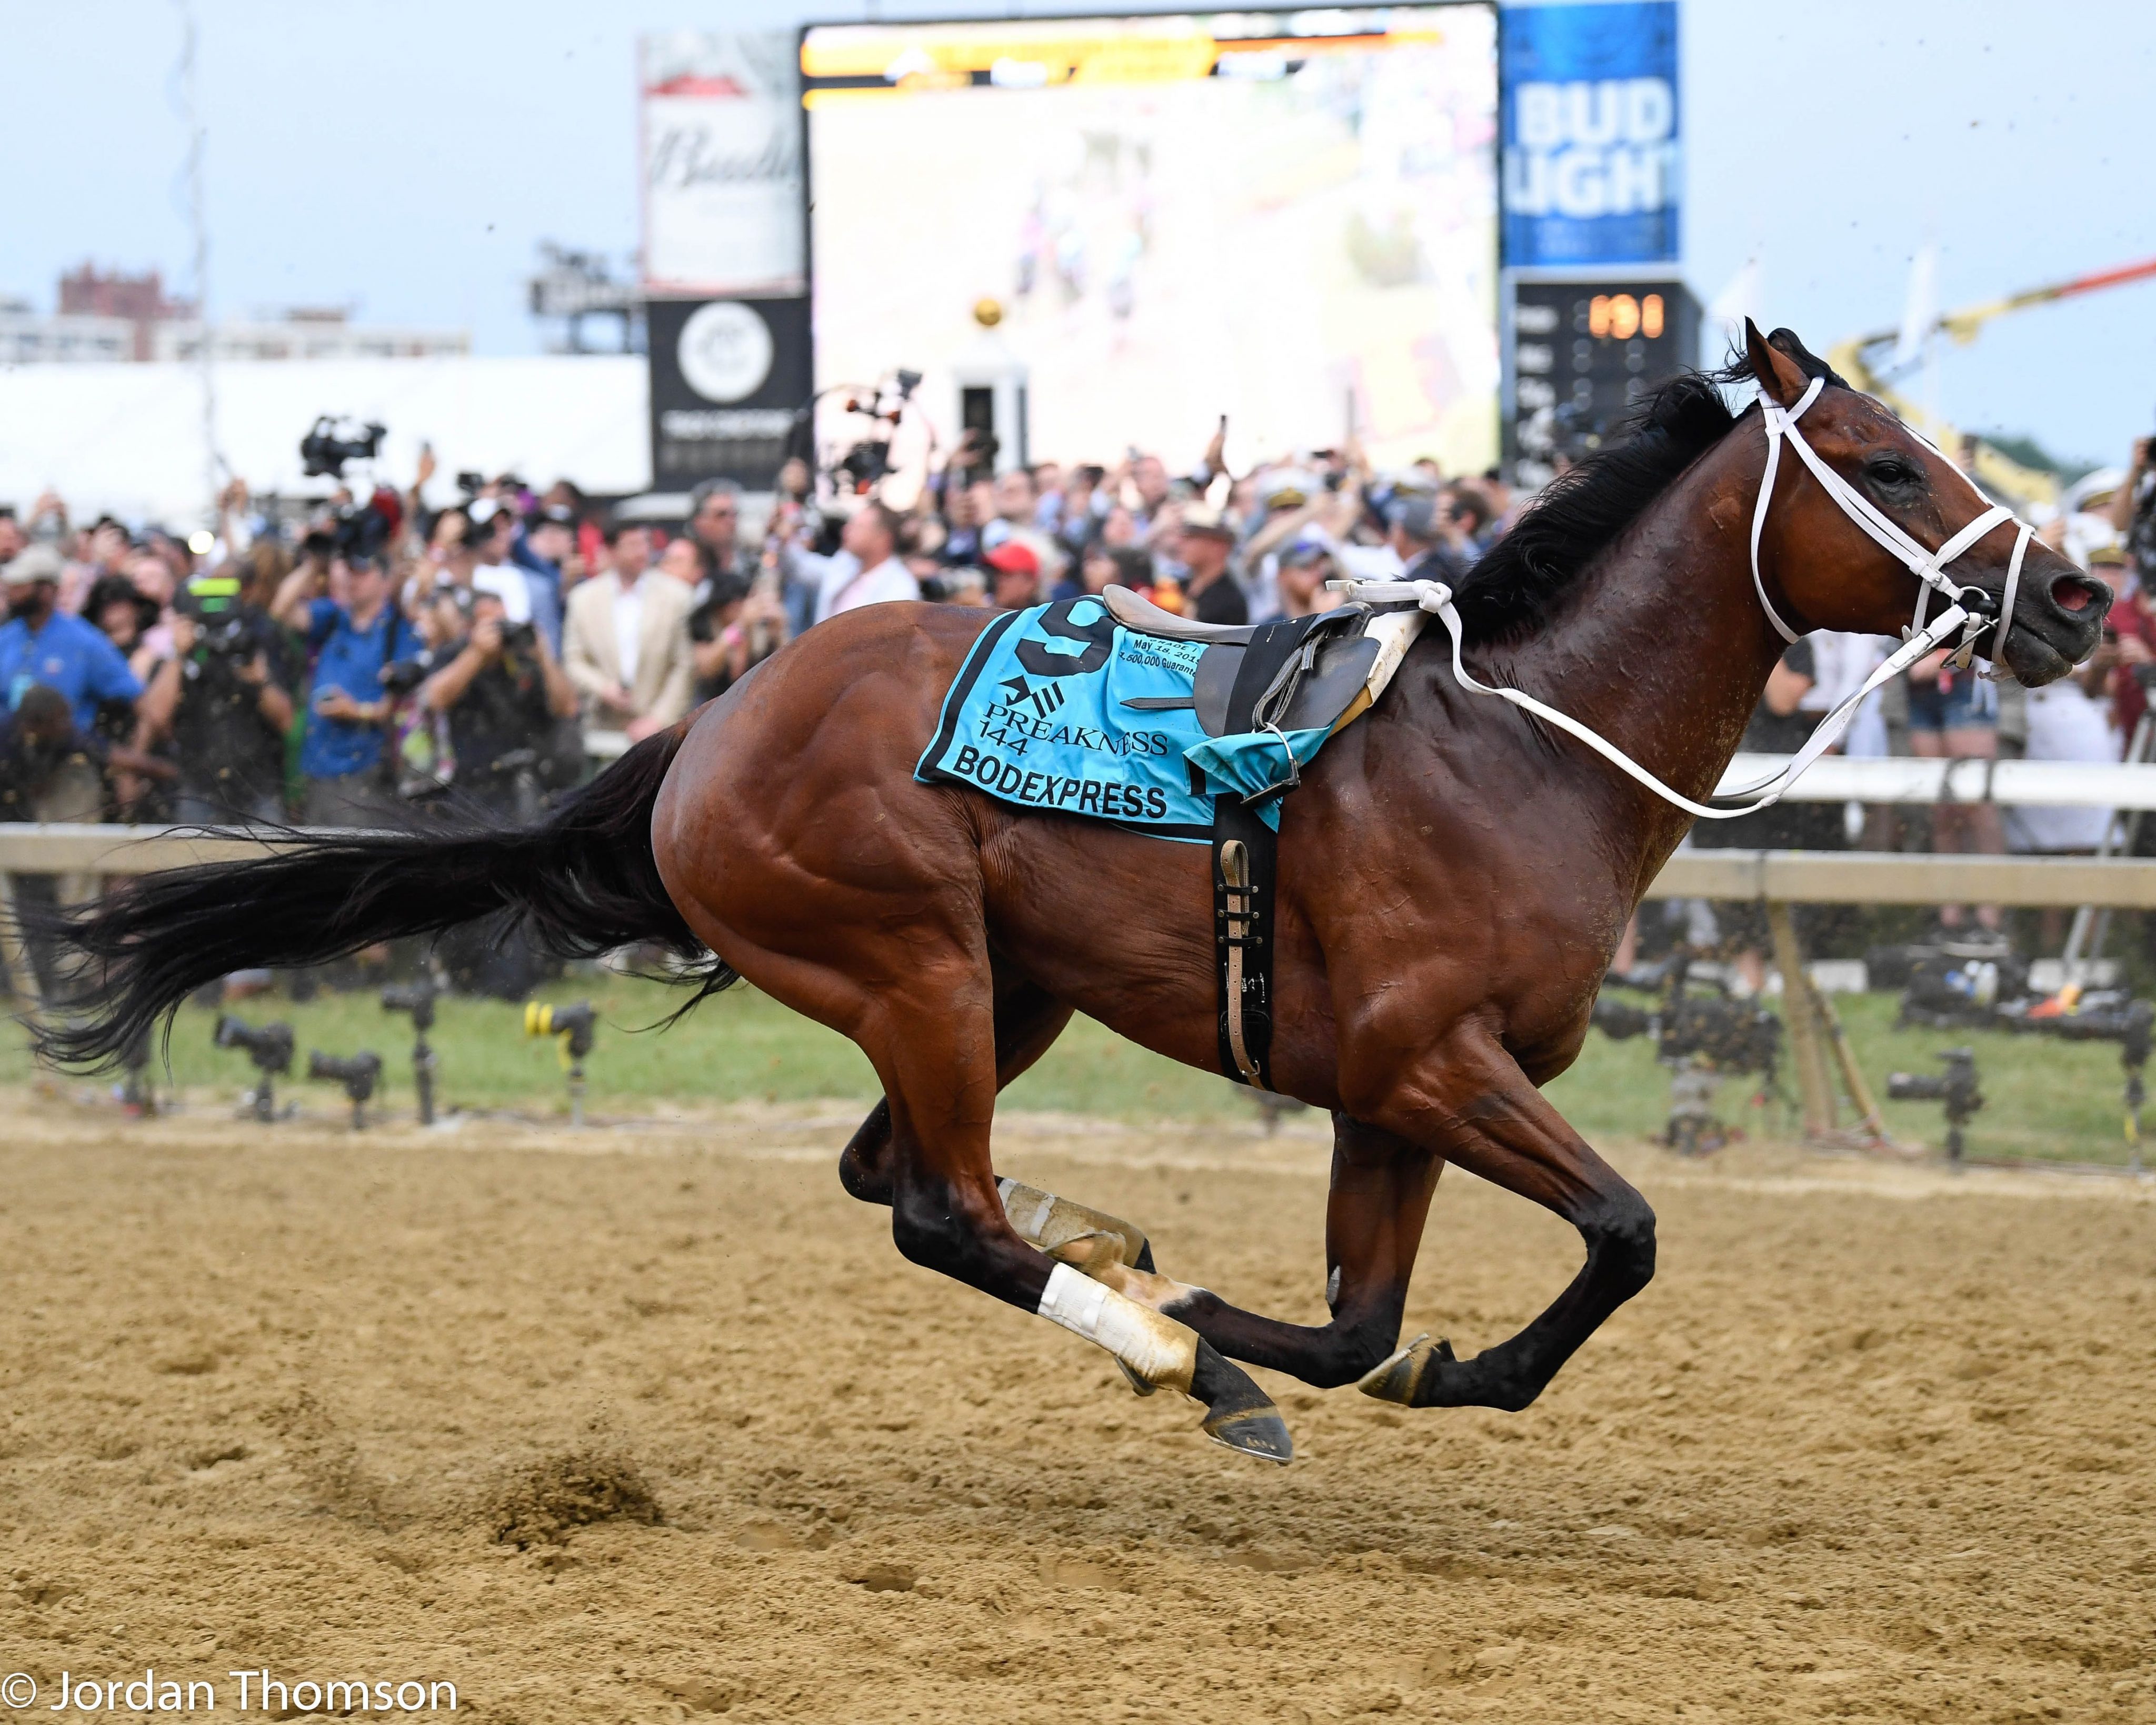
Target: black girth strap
(1245, 858)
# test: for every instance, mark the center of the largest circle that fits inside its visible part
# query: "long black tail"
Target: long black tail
(582, 881)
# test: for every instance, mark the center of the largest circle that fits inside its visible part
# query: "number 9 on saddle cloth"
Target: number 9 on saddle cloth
(1113, 708)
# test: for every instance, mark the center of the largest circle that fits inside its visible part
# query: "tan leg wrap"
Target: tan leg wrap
(1090, 1242)
(1156, 1350)
(1043, 1219)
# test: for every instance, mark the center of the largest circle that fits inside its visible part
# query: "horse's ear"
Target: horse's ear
(1778, 375)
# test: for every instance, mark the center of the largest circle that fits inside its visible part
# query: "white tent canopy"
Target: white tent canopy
(128, 438)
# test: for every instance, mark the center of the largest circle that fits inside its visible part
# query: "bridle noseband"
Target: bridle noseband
(1928, 567)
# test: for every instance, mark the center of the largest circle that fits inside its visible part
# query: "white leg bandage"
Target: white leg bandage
(1156, 1348)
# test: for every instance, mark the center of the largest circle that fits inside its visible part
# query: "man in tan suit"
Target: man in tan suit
(626, 643)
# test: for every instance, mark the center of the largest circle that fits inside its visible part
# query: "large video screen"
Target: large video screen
(1288, 217)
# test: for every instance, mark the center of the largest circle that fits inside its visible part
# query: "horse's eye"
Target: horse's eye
(1892, 472)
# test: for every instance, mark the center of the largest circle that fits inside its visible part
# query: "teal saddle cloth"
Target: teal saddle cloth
(1062, 707)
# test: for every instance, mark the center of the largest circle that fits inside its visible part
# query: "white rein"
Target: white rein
(1926, 566)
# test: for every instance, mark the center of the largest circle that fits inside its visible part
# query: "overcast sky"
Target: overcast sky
(408, 157)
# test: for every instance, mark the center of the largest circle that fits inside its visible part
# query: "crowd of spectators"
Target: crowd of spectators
(395, 653)
(391, 653)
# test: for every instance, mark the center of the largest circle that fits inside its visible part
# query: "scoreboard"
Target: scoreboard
(1580, 355)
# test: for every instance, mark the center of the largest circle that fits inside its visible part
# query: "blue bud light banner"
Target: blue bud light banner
(1592, 175)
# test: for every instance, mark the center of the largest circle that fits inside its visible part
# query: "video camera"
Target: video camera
(357, 1073)
(270, 1049)
(325, 453)
(1957, 1087)
(863, 463)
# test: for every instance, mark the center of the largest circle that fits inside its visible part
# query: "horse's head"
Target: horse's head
(1831, 573)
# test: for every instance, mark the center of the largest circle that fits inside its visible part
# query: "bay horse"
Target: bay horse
(1454, 876)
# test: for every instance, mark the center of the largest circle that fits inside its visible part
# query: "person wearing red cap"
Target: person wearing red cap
(1017, 574)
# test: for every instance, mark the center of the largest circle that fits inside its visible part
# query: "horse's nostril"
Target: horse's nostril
(2070, 592)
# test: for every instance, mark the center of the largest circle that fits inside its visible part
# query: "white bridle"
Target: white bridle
(1928, 567)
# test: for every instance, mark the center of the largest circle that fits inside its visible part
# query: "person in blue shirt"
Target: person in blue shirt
(41, 644)
(540, 549)
(348, 712)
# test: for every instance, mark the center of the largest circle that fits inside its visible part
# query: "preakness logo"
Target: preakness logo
(1586, 150)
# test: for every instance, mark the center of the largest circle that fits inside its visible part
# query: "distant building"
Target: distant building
(29, 338)
(140, 299)
(305, 333)
(112, 316)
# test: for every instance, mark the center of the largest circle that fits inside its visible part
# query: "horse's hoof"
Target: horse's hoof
(1237, 1412)
(1257, 1431)
(1398, 1379)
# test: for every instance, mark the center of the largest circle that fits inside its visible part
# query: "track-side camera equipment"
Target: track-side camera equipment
(357, 1073)
(1956, 1087)
(270, 1049)
(572, 1028)
(417, 998)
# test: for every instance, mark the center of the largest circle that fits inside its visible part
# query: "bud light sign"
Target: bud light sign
(1592, 169)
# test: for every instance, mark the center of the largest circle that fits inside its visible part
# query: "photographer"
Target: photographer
(352, 641)
(500, 692)
(225, 698)
(41, 644)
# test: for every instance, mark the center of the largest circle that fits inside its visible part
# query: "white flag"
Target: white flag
(1920, 311)
(1745, 296)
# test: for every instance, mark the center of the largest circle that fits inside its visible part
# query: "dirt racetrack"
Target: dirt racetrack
(654, 1424)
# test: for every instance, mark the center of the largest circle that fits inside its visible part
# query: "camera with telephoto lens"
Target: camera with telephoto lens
(417, 998)
(325, 453)
(269, 1047)
(354, 531)
(1701, 1036)
(1956, 1087)
(357, 1073)
(401, 676)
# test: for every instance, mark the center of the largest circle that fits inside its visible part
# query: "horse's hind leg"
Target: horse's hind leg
(936, 1056)
(1028, 1021)
(1470, 1099)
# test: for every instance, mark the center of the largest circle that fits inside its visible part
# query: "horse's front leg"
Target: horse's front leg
(935, 1053)
(1374, 1214)
(1469, 1100)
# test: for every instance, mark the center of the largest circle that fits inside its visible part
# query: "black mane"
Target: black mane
(1512, 589)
